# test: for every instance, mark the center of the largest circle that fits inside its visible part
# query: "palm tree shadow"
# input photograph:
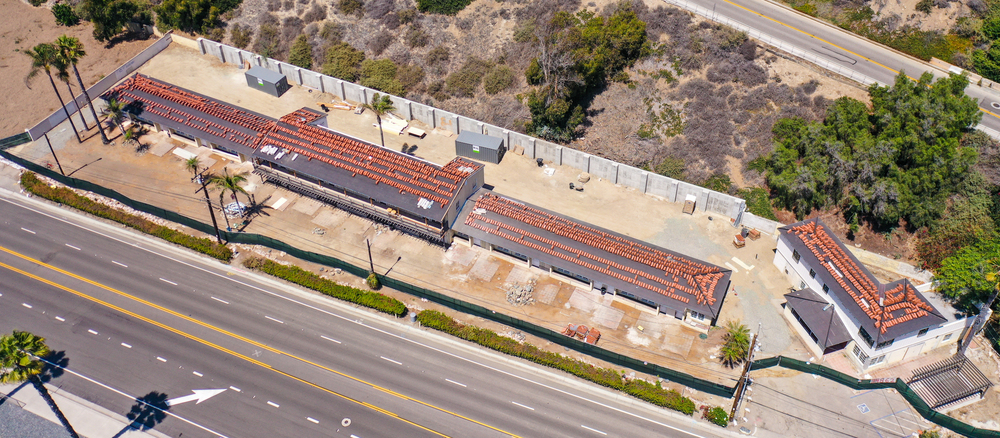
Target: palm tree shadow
(146, 413)
(54, 364)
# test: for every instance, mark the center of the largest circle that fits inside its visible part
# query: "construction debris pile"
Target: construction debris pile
(520, 294)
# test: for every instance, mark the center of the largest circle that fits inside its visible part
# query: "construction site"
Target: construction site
(635, 263)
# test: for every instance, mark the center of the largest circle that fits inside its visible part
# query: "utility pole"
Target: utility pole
(741, 385)
(211, 211)
(371, 264)
(54, 154)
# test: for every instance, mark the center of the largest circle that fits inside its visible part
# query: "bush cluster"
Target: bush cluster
(65, 16)
(302, 277)
(652, 393)
(716, 415)
(447, 7)
(65, 196)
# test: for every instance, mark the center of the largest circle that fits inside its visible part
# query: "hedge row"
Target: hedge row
(307, 279)
(65, 196)
(653, 393)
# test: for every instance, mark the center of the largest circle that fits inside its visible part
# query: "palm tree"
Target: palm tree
(43, 58)
(20, 360)
(230, 183)
(71, 50)
(736, 343)
(192, 164)
(115, 110)
(381, 105)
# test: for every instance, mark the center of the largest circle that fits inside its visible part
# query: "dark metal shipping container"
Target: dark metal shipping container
(480, 147)
(267, 81)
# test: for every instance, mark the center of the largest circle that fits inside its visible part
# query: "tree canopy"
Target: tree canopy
(897, 161)
(343, 61)
(578, 53)
(963, 276)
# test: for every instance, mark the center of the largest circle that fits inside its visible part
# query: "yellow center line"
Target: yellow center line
(232, 335)
(837, 46)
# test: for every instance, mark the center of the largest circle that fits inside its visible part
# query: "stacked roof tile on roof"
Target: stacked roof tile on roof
(671, 275)
(190, 109)
(880, 306)
(382, 166)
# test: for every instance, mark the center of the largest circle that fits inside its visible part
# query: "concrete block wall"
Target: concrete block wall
(548, 152)
(650, 183)
(467, 124)
(766, 225)
(632, 177)
(423, 113)
(445, 120)
(604, 168)
(312, 80)
(525, 141)
(575, 158)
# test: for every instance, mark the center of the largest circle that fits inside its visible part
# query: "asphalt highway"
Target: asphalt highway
(129, 316)
(838, 46)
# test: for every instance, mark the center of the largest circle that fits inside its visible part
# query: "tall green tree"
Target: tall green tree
(301, 53)
(963, 276)
(188, 15)
(115, 109)
(229, 183)
(70, 52)
(381, 105)
(343, 61)
(897, 161)
(44, 58)
(110, 16)
(193, 164)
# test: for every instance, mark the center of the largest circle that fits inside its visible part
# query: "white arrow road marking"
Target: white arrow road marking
(199, 394)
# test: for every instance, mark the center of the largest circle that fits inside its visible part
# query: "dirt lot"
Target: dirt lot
(24, 26)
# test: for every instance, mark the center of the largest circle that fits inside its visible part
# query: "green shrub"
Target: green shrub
(465, 82)
(65, 16)
(925, 6)
(240, 36)
(758, 202)
(65, 196)
(37, 2)
(437, 55)
(407, 16)
(409, 75)
(381, 75)
(447, 7)
(651, 392)
(806, 8)
(343, 61)
(302, 277)
(417, 37)
(533, 74)
(373, 282)
(349, 7)
(498, 79)
(301, 53)
(930, 434)
(716, 415)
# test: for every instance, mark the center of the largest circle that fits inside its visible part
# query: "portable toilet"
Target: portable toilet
(267, 81)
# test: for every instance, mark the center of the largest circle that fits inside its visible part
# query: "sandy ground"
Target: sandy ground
(21, 28)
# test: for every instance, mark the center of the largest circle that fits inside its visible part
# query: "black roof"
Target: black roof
(719, 293)
(899, 323)
(819, 316)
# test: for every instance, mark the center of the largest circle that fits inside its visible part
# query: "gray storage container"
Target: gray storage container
(480, 147)
(267, 81)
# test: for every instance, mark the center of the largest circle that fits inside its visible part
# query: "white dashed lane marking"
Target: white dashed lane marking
(60, 319)
(197, 374)
(220, 300)
(595, 430)
(25, 229)
(122, 265)
(390, 360)
(26, 305)
(235, 389)
(329, 339)
(71, 246)
(312, 419)
(272, 403)
(168, 281)
(523, 406)
(93, 332)
(126, 345)
(275, 320)
(160, 359)
(459, 384)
